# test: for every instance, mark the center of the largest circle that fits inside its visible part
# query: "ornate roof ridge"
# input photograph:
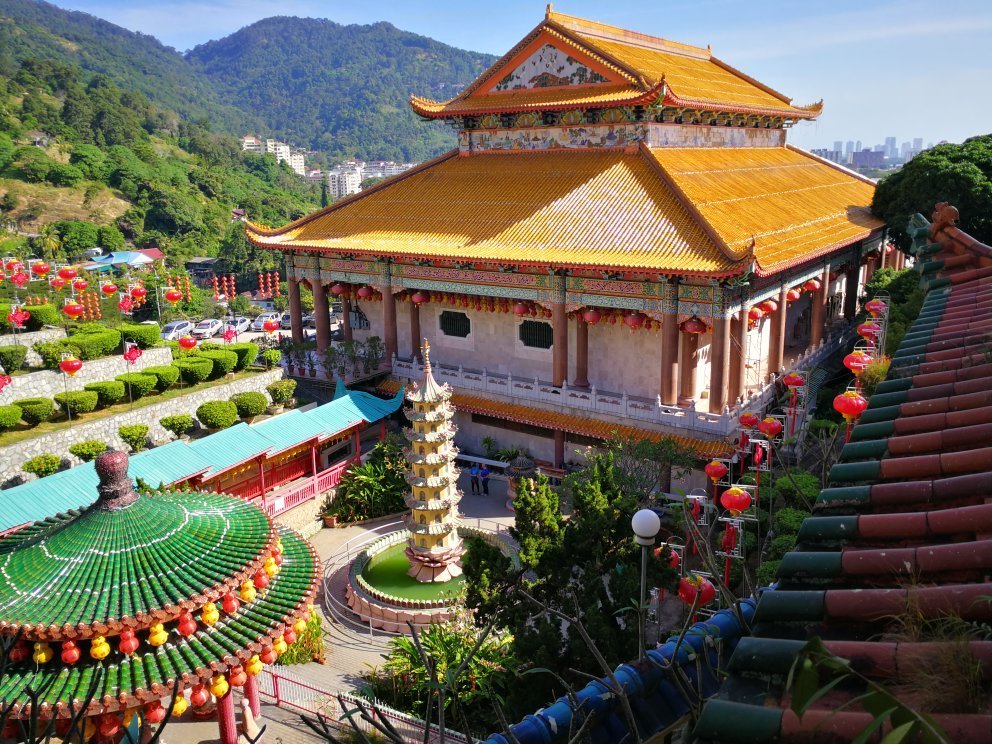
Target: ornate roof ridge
(605, 31)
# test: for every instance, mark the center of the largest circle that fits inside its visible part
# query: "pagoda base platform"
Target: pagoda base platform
(425, 573)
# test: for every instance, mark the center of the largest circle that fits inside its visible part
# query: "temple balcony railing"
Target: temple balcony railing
(606, 404)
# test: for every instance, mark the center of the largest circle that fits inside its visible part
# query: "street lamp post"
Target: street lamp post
(646, 525)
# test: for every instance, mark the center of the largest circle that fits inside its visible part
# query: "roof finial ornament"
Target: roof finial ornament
(426, 350)
(547, 12)
(115, 489)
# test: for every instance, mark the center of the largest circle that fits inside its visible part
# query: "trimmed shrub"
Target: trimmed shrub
(51, 352)
(193, 369)
(135, 436)
(781, 545)
(12, 357)
(146, 336)
(96, 344)
(247, 354)
(41, 316)
(77, 401)
(10, 416)
(178, 424)
(165, 376)
(249, 404)
(217, 414)
(788, 521)
(271, 357)
(800, 490)
(88, 449)
(139, 383)
(108, 393)
(223, 361)
(766, 572)
(282, 391)
(820, 426)
(43, 465)
(35, 410)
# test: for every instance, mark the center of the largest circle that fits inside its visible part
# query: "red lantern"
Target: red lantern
(673, 557)
(693, 325)
(57, 283)
(715, 470)
(270, 326)
(19, 652)
(869, 331)
(419, 298)
(70, 652)
(19, 279)
(126, 304)
(13, 266)
(520, 309)
(237, 676)
(186, 625)
(591, 316)
(812, 285)
(155, 712)
(759, 453)
(261, 580)
(691, 587)
(770, 427)
(856, 361)
(289, 636)
(850, 405)
(187, 342)
(173, 295)
(5, 380)
(230, 603)
(70, 366)
(365, 292)
(109, 289)
(768, 306)
(68, 274)
(128, 643)
(268, 655)
(634, 320)
(793, 294)
(40, 269)
(876, 307)
(793, 380)
(755, 314)
(199, 696)
(18, 317)
(73, 310)
(735, 500)
(138, 293)
(80, 285)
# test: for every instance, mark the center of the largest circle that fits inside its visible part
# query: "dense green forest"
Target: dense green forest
(175, 180)
(340, 89)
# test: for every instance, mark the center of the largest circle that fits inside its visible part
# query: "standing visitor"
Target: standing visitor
(484, 475)
(473, 476)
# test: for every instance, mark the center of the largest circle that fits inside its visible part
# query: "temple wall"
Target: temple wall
(29, 340)
(470, 436)
(621, 360)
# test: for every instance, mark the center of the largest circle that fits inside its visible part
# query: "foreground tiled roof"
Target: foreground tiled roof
(589, 427)
(901, 538)
(675, 211)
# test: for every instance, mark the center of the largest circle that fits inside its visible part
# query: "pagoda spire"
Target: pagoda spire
(434, 546)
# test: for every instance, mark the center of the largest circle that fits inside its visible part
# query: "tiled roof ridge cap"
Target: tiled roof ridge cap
(608, 32)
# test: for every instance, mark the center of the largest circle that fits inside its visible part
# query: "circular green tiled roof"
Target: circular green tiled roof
(135, 564)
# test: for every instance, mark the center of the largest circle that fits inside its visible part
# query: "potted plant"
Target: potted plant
(281, 393)
(311, 362)
(330, 360)
(327, 512)
(374, 351)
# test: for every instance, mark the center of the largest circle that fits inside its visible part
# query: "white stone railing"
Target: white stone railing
(613, 405)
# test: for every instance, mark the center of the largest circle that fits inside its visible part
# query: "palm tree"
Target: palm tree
(49, 241)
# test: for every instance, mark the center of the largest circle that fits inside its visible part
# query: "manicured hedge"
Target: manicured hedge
(139, 383)
(10, 416)
(134, 435)
(51, 352)
(41, 315)
(193, 369)
(217, 414)
(77, 401)
(282, 391)
(249, 404)
(166, 376)
(35, 410)
(271, 357)
(43, 465)
(108, 393)
(88, 449)
(12, 357)
(247, 354)
(223, 361)
(146, 336)
(96, 341)
(178, 424)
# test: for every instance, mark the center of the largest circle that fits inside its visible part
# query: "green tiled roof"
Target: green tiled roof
(108, 564)
(229, 447)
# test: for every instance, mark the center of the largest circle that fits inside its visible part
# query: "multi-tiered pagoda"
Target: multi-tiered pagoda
(434, 546)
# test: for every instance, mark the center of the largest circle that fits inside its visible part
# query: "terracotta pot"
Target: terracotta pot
(330, 520)
(275, 409)
(313, 373)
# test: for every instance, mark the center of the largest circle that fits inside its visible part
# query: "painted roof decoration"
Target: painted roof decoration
(902, 531)
(178, 460)
(568, 62)
(682, 211)
(131, 586)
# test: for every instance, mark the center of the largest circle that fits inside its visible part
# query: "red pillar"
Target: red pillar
(719, 364)
(559, 448)
(738, 355)
(581, 354)
(389, 322)
(346, 318)
(382, 430)
(687, 368)
(669, 358)
(261, 474)
(356, 442)
(225, 719)
(322, 314)
(415, 330)
(251, 695)
(313, 463)
(559, 324)
(776, 344)
(818, 316)
(295, 311)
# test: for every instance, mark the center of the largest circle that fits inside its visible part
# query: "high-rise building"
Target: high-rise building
(838, 145)
(296, 162)
(918, 144)
(890, 147)
(857, 146)
(904, 149)
(848, 149)
(344, 179)
(251, 143)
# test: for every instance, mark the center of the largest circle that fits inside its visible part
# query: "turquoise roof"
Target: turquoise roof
(179, 460)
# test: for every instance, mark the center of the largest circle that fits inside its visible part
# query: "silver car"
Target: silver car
(239, 324)
(208, 328)
(176, 330)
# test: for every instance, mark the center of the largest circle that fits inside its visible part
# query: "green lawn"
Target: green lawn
(389, 576)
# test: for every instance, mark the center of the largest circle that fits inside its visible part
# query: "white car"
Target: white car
(208, 328)
(240, 324)
(286, 321)
(259, 324)
(176, 330)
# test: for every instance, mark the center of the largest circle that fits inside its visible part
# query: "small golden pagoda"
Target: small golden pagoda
(434, 545)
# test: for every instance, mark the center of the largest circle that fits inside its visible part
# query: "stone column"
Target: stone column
(776, 344)
(719, 363)
(581, 353)
(851, 289)
(559, 323)
(389, 319)
(295, 310)
(687, 367)
(225, 718)
(818, 313)
(322, 315)
(559, 448)
(738, 356)
(415, 339)
(251, 695)
(346, 318)
(670, 347)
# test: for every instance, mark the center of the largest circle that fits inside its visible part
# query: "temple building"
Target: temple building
(623, 239)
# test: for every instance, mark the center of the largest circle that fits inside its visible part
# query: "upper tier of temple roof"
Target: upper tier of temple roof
(680, 211)
(568, 62)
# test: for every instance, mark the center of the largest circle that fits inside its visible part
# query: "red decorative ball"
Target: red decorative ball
(199, 696)
(850, 405)
(128, 643)
(768, 306)
(155, 712)
(73, 310)
(109, 288)
(138, 293)
(793, 294)
(187, 342)
(70, 652)
(735, 500)
(876, 307)
(40, 269)
(419, 298)
(770, 427)
(691, 587)
(634, 320)
(365, 292)
(230, 603)
(520, 309)
(338, 289)
(793, 380)
(270, 326)
(71, 366)
(591, 316)
(109, 725)
(289, 635)
(68, 274)
(261, 580)
(268, 655)
(173, 295)
(693, 326)
(187, 625)
(57, 283)
(237, 676)
(715, 470)
(755, 314)
(80, 285)
(748, 420)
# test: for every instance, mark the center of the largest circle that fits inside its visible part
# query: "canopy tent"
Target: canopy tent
(123, 258)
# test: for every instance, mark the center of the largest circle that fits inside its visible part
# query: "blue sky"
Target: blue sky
(906, 68)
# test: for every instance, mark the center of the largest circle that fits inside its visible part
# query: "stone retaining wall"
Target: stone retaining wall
(105, 429)
(305, 518)
(46, 383)
(29, 340)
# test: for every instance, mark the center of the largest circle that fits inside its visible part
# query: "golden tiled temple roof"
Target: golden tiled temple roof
(678, 211)
(642, 70)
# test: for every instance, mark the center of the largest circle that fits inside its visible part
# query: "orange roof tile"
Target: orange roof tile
(598, 208)
(572, 424)
(543, 98)
(791, 204)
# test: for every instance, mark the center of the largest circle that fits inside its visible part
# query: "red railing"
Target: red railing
(283, 500)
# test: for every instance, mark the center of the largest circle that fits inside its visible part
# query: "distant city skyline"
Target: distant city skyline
(862, 58)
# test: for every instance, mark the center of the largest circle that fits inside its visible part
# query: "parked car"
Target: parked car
(259, 324)
(176, 330)
(286, 321)
(240, 324)
(208, 328)
(310, 321)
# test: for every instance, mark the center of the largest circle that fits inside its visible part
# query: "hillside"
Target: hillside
(342, 89)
